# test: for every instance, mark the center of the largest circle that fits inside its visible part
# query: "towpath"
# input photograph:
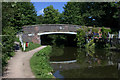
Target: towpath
(19, 65)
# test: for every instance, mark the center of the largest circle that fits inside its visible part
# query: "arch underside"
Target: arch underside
(45, 33)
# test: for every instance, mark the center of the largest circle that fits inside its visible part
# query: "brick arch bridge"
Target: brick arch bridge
(32, 33)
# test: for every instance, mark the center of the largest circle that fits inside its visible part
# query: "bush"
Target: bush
(17, 39)
(85, 33)
(81, 37)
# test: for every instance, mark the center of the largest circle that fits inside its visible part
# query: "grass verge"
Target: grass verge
(32, 46)
(40, 63)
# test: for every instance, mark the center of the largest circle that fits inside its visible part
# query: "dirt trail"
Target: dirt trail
(19, 66)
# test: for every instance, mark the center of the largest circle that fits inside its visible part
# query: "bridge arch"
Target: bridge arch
(44, 33)
(31, 33)
(54, 33)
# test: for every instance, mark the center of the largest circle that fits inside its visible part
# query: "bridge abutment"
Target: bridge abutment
(40, 40)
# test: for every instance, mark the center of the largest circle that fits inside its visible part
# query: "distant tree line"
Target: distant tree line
(84, 13)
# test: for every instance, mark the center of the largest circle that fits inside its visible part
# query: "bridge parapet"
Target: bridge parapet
(31, 33)
(50, 28)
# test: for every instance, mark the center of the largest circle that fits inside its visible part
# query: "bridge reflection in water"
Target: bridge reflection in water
(100, 63)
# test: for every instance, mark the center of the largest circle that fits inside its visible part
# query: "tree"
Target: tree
(40, 19)
(25, 14)
(7, 44)
(72, 13)
(117, 14)
(18, 14)
(91, 13)
(108, 18)
(79, 13)
(51, 15)
(14, 16)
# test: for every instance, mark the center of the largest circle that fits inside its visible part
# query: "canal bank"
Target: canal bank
(40, 64)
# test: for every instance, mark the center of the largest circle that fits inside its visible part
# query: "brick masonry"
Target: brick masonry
(34, 29)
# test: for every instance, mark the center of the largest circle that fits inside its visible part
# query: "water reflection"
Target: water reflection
(97, 57)
(57, 74)
(91, 63)
(62, 53)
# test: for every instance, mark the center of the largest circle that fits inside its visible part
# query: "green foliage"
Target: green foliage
(83, 13)
(14, 16)
(81, 37)
(90, 45)
(116, 41)
(105, 32)
(40, 19)
(40, 63)
(95, 30)
(72, 13)
(51, 15)
(116, 13)
(18, 14)
(102, 43)
(79, 13)
(32, 46)
(83, 34)
(7, 44)
(17, 39)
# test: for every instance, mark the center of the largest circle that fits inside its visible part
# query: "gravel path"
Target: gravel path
(19, 66)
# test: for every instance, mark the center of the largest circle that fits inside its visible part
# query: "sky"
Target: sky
(39, 6)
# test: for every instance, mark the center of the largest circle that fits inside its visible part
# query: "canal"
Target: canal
(69, 61)
(73, 62)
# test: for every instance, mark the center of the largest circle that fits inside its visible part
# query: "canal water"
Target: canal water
(73, 62)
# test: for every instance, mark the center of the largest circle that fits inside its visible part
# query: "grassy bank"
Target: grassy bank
(32, 46)
(40, 63)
